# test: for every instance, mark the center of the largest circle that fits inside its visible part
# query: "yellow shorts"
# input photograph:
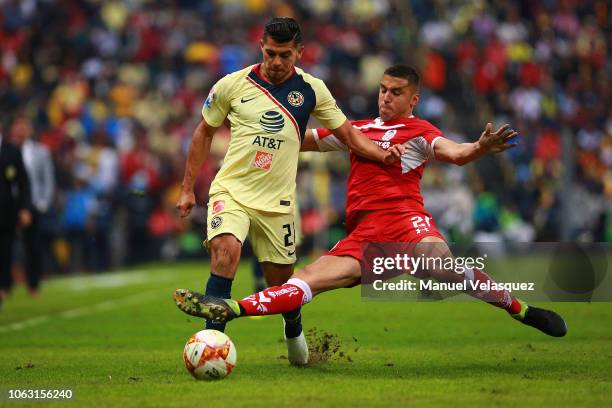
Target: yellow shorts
(272, 235)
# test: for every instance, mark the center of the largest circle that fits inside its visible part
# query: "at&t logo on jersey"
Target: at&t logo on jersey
(272, 122)
(269, 142)
(295, 98)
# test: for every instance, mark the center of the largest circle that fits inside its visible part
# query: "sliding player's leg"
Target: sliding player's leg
(326, 273)
(338, 268)
(433, 247)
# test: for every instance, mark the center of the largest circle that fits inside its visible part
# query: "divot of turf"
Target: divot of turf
(324, 346)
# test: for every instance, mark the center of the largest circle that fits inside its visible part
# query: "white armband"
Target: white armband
(328, 143)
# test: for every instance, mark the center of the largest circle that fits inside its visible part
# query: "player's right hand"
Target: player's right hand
(185, 203)
(498, 141)
(394, 153)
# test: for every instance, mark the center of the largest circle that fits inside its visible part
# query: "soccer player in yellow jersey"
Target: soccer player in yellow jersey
(267, 106)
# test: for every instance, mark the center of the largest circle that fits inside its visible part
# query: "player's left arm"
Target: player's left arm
(322, 140)
(359, 144)
(489, 143)
(309, 144)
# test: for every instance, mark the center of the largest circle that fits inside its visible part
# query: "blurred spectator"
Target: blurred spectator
(14, 206)
(38, 235)
(139, 172)
(78, 221)
(103, 177)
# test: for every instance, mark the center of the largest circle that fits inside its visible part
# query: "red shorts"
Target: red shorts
(386, 226)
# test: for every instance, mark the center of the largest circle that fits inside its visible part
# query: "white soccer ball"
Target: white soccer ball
(209, 355)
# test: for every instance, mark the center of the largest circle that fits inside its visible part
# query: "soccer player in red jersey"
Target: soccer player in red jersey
(384, 204)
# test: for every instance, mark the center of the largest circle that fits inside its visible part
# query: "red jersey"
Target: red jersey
(375, 185)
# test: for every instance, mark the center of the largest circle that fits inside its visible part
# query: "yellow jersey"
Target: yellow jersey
(268, 123)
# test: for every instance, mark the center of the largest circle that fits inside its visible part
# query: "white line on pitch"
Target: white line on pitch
(80, 311)
(24, 324)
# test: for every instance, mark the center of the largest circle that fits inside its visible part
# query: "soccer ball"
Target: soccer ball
(209, 355)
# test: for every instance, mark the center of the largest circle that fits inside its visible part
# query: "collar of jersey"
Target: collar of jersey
(396, 122)
(258, 73)
(378, 124)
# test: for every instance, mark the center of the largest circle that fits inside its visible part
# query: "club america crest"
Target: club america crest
(295, 98)
(216, 222)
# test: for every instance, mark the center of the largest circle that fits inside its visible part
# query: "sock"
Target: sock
(497, 297)
(258, 276)
(220, 287)
(515, 307)
(293, 323)
(277, 299)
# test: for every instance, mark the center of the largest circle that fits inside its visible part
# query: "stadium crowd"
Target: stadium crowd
(114, 90)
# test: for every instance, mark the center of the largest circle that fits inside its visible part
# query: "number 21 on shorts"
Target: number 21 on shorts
(289, 236)
(420, 224)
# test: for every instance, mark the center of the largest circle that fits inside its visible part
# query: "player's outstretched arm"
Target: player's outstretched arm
(198, 153)
(361, 145)
(312, 143)
(489, 143)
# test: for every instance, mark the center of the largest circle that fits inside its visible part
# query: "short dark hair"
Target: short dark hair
(283, 30)
(406, 72)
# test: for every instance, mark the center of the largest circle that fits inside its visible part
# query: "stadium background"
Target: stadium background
(114, 90)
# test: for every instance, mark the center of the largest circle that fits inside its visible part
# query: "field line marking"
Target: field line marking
(79, 311)
(24, 324)
(111, 280)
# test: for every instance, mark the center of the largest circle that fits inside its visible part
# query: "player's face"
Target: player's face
(279, 59)
(396, 98)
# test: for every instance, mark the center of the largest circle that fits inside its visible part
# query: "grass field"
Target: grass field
(117, 339)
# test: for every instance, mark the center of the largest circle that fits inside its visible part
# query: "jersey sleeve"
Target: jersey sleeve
(420, 149)
(217, 104)
(426, 142)
(327, 142)
(326, 110)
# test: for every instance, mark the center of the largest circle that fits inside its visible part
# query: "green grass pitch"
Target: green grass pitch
(117, 339)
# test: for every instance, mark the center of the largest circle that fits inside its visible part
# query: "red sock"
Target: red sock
(496, 297)
(274, 300)
(515, 307)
